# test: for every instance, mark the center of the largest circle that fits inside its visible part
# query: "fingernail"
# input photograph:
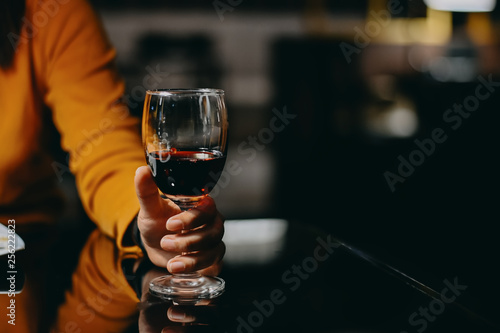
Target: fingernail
(174, 224)
(174, 314)
(168, 244)
(177, 266)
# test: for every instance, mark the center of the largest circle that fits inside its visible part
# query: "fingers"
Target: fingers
(200, 248)
(198, 239)
(181, 314)
(146, 189)
(197, 260)
(201, 243)
(213, 270)
(152, 205)
(201, 313)
(204, 213)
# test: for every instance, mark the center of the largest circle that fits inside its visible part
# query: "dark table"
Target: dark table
(282, 276)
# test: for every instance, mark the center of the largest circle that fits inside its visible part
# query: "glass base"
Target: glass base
(186, 288)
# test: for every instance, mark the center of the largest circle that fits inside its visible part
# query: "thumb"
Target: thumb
(152, 205)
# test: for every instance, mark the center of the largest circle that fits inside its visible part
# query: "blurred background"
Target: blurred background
(374, 120)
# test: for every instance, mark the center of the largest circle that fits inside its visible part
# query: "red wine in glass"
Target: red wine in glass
(184, 133)
(186, 172)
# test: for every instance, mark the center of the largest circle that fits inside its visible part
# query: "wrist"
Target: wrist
(136, 236)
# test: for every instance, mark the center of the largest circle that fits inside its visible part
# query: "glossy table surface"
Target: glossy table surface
(285, 276)
(291, 277)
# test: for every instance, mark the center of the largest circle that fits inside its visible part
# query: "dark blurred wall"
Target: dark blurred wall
(328, 167)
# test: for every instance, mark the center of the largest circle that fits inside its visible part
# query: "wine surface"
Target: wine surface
(186, 173)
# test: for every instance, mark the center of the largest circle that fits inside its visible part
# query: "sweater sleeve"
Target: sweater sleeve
(82, 88)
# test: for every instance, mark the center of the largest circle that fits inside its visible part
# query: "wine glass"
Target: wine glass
(184, 133)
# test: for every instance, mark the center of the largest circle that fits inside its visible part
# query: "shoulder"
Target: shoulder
(56, 21)
(43, 13)
(65, 32)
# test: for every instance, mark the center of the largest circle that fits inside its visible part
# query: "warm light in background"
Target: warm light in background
(435, 29)
(480, 29)
(462, 5)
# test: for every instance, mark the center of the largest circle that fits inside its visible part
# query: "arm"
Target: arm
(81, 86)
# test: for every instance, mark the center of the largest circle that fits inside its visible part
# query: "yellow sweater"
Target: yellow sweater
(65, 63)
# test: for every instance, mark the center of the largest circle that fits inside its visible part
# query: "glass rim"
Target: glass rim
(185, 91)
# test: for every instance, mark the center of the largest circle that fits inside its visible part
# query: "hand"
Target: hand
(198, 248)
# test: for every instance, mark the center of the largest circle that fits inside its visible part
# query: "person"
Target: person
(57, 71)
